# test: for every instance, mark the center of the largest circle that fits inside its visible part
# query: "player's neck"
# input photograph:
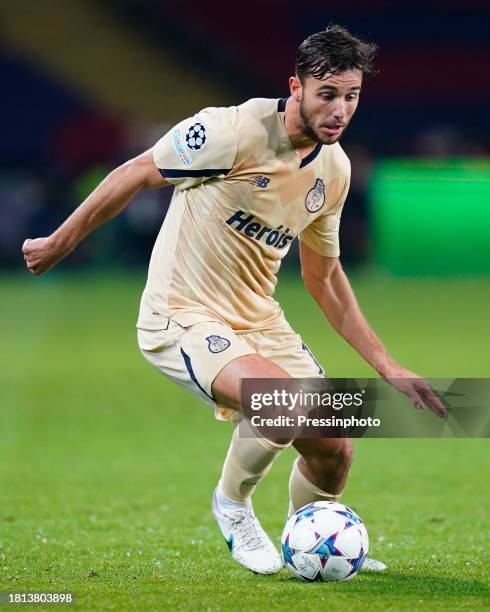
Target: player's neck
(293, 124)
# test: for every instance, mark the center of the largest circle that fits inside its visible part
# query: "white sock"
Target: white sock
(302, 491)
(226, 503)
(248, 460)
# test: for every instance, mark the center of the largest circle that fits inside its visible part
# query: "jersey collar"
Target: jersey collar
(281, 105)
(281, 108)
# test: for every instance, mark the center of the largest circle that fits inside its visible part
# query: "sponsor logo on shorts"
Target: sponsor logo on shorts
(180, 148)
(315, 198)
(248, 225)
(217, 344)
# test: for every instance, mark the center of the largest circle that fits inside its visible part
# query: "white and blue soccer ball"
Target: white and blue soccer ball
(324, 541)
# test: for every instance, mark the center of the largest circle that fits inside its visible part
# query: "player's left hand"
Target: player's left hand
(417, 389)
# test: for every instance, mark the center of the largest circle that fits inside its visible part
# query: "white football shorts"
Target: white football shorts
(193, 356)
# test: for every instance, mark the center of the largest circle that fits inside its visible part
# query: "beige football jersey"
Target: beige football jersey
(242, 195)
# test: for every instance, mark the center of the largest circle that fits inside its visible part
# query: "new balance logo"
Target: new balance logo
(249, 225)
(260, 181)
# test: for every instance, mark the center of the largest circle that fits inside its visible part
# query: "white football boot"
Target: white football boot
(371, 565)
(247, 541)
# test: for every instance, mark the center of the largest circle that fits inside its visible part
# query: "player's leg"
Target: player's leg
(323, 466)
(208, 359)
(321, 470)
(320, 473)
(248, 460)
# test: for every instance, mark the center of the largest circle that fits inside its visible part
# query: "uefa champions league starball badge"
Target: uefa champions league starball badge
(196, 136)
(315, 198)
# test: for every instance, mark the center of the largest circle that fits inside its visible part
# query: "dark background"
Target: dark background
(86, 84)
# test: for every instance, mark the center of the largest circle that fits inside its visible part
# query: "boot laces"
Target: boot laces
(247, 527)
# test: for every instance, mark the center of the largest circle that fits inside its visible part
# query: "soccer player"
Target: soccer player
(248, 180)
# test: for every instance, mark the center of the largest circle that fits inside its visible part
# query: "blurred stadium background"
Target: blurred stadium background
(89, 83)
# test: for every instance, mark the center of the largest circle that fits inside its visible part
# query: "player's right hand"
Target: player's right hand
(40, 255)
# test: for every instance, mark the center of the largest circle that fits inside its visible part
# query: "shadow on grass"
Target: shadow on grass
(396, 583)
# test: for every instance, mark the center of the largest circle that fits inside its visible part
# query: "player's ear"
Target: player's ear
(295, 88)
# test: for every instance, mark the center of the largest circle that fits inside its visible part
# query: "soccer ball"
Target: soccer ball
(324, 541)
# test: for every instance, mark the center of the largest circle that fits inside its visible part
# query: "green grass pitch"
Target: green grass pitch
(107, 469)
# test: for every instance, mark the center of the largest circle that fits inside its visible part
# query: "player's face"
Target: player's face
(327, 105)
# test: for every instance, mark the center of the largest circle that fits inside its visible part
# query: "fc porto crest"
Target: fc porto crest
(315, 198)
(217, 344)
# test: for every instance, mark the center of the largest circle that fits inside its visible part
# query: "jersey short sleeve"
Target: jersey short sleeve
(322, 235)
(198, 148)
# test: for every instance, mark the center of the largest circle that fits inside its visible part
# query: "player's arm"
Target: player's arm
(111, 196)
(328, 284)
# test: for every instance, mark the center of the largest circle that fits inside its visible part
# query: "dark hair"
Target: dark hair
(334, 50)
